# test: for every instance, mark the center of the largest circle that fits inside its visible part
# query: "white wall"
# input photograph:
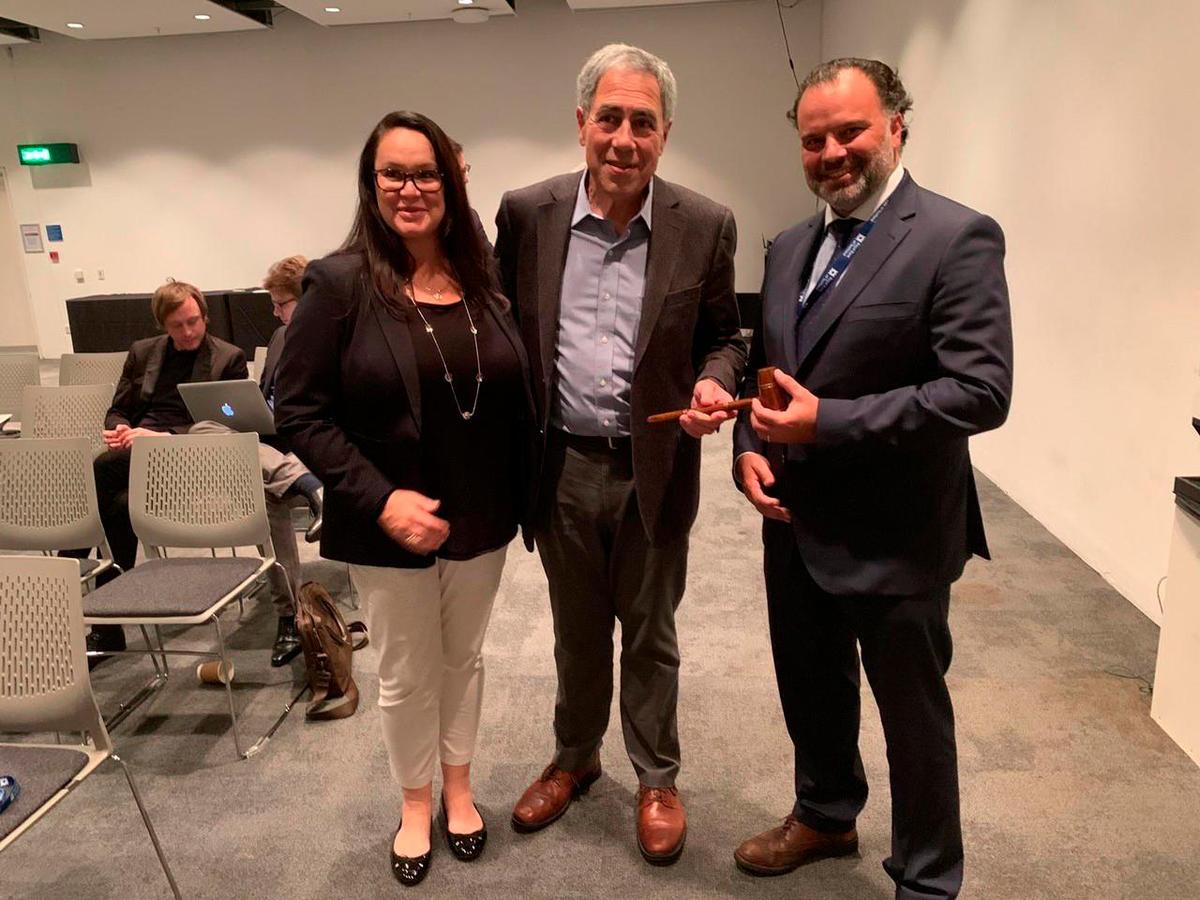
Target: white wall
(1072, 123)
(205, 158)
(17, 330)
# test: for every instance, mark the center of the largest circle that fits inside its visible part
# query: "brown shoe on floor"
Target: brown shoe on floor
(547, 799)
(790, 845)
(661, 824)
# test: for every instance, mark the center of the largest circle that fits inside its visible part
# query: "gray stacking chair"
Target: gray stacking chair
(16, 371)
(48, 500)
(192, 491)
(64, 412)
(91, 368)
(44, 687)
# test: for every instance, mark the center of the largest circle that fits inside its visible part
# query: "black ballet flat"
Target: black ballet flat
(465, 847)
(410, 870)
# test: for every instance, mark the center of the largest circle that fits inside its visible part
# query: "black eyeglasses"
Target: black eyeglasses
(427, 181)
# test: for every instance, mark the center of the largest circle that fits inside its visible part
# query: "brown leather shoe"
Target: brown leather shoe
(661, 826)
(547, 799)
(790, 845)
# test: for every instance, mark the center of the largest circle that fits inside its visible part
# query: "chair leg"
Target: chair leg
(137, 798)
(158, 670)
(147, 690)
(353, 593)
(162, 649)
(237, 743)
(283, 573)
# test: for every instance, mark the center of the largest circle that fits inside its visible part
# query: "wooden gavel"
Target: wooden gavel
(768, 395)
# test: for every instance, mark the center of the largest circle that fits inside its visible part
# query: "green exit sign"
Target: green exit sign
(47, 154)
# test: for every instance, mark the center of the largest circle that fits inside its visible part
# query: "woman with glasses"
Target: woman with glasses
(404, 387)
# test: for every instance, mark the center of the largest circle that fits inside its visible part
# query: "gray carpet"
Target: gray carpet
(1069, 789)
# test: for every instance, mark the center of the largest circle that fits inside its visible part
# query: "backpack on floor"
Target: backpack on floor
(329, 646)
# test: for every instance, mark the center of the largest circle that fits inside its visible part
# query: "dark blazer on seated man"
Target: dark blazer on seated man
(266, 378)
(147, 397)
(138, 402)
(266, 381)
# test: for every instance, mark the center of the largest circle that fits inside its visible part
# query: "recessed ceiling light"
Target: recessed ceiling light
(471, 15)
(333, 9)
(465, 2)
(74, 24)
(201, 17)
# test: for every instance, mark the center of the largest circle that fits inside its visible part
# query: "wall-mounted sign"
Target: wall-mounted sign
(47, 154)
(53, 233)
(31, 237)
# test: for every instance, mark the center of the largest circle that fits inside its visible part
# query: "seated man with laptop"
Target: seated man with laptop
(147, 403)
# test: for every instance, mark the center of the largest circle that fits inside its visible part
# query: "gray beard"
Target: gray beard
(850, 197)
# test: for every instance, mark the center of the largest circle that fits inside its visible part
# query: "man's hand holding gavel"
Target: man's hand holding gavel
(707, 393)
(796, 423)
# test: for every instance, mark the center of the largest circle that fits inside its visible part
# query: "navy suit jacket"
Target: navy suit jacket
(910, 354)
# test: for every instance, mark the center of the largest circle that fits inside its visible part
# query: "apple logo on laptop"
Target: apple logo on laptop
(227, 410)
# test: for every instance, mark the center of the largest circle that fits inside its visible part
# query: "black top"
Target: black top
(167, 409)
(470, 465)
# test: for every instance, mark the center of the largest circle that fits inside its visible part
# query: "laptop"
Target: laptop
(238, 404)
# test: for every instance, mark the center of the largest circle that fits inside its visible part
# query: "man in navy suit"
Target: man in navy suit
(887, 315)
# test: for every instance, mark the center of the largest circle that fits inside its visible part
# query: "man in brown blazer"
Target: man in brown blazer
(623, 289)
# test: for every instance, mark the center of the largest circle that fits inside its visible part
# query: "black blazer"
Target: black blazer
(348, 400)
(217, 360)
(266, 378)
(910, 354)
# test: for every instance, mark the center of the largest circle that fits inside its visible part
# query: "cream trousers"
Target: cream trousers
(428, 625)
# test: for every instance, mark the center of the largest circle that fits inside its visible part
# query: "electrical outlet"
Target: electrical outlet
(79, 275)
(100, 274)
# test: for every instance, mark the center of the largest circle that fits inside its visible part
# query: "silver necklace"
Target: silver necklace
(436, 292)
(445, 368)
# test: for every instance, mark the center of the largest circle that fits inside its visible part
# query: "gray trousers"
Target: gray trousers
(279, 472)
(602, 569)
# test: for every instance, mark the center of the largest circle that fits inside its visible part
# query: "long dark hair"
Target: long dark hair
(388, 260)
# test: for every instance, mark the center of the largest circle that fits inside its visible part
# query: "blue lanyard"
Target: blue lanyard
(842, 262)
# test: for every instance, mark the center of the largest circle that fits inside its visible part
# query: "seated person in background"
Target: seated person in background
(284, 476)
(460, 157)
(147, 403)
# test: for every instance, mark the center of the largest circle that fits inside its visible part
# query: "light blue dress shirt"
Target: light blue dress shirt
(604, 280)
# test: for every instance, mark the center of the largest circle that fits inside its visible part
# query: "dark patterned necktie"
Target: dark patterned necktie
(842, 230)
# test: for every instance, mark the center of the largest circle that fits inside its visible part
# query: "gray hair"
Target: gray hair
(626, 56)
